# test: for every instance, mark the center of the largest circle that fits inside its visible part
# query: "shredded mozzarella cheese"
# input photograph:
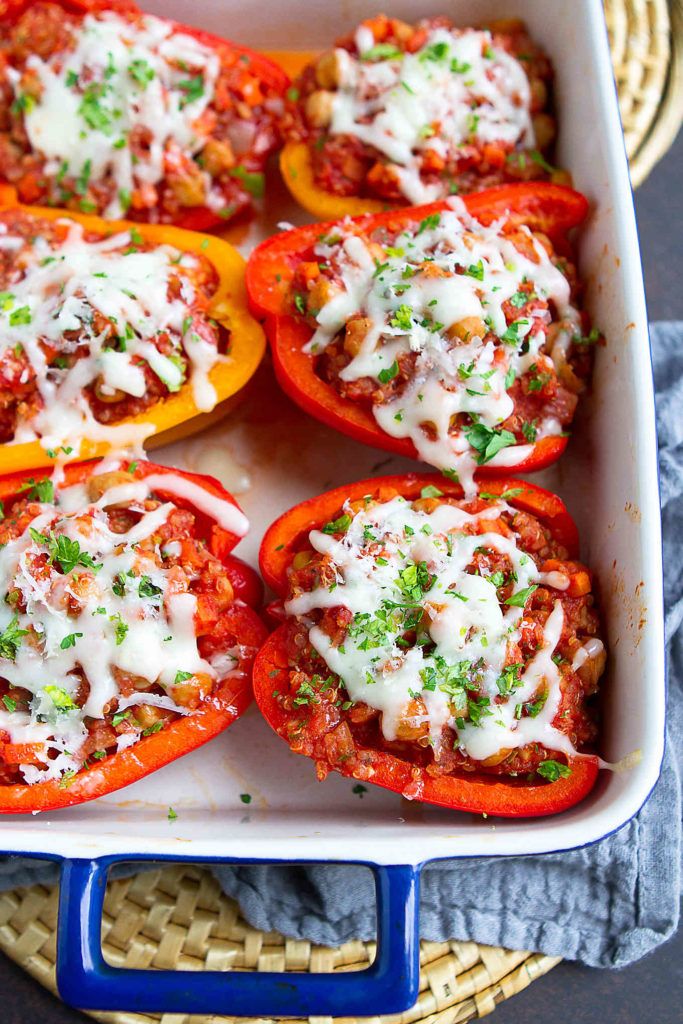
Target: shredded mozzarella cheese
(455, 89)
(385, 549)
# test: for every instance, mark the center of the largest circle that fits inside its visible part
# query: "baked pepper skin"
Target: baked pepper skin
(176, 416)
(227, 703)
(196, 218)
(473, 792)
(551, 209)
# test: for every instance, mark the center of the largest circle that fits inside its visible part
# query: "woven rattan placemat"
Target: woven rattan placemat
(177, 917)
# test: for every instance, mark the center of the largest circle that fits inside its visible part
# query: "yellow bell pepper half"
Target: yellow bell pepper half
(176, 416)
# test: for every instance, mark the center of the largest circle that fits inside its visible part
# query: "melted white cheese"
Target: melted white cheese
(111, 624)
(462, 614)
(458, 88)
(69, 286)
(118, 79)
(411, 310)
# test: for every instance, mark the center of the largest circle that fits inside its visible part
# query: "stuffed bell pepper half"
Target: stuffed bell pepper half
(443, 647)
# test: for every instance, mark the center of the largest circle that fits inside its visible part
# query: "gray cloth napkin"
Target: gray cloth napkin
(606, 906)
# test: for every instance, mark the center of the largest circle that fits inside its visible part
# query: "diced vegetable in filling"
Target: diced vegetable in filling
(453, 633)
(417, 113)
(465, 339)
(112, 618)
(96, 329)
(122, 115)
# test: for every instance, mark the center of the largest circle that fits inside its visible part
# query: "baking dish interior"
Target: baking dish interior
(608, 479)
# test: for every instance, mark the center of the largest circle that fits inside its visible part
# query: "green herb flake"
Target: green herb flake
(384, 376)
(553, 770)
(339, 525)
(70, 640)
(488, 441)
(430, 491)
(519, 599)
(10, 639)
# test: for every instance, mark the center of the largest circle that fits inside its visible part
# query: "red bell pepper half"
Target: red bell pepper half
(240, 625)
(254, 77)
(475, 792)
(548, 208)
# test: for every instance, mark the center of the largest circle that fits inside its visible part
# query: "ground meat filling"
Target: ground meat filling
(95, 329)
(449, 658)
(114, 627)
(413, 113)
(465, 339)
(118, 114)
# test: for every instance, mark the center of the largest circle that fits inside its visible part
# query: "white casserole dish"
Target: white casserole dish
(608, 478)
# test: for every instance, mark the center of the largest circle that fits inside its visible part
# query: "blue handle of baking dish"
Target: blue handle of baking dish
(86, 981)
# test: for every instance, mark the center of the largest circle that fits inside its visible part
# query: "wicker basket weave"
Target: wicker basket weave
(646, 37)
(177, 917)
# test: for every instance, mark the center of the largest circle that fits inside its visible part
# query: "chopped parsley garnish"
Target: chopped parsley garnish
(519, 599)
(141, 72)
(339, 525)
(172, 816)
(430, 491)
(476, 270)
(65, 551)
(402, 318)
(245, 798)
(415, 580)
(120, 628)
(382, 51)
(181, 677)
(148, 589)
(553, 770)
(60, 698)
(529, 430)
(429, 223)
(253, 181)
(193, 88)
(150, 730)
(93, 113)
(509, 679)
(20, 317)
(511, 492)
(384, 376)
(10, 704)
(511, 334)
(70, 640)
(488, 441)
(39, 490)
